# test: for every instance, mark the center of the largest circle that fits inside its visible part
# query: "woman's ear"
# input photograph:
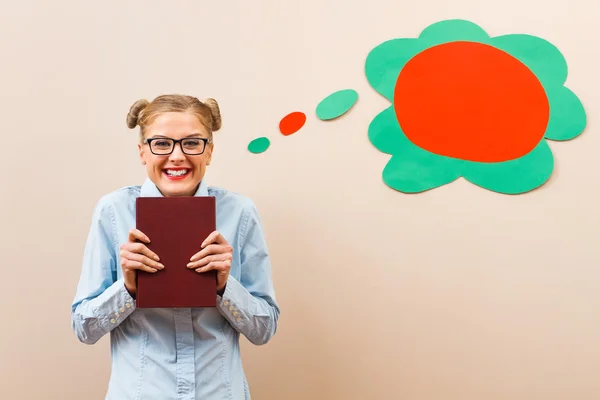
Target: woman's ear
(208, 152)
(142, 154)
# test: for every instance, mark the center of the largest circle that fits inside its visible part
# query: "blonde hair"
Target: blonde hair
(143, 112)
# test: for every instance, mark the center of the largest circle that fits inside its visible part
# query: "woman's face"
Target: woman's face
(175, 174)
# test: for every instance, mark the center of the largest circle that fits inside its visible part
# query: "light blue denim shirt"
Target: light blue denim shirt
(180, 353)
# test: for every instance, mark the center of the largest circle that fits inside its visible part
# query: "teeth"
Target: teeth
(177, 173)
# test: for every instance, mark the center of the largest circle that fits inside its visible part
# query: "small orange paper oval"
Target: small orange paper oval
(292, 122)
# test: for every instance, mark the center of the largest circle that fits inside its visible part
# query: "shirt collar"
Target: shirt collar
(149, 189)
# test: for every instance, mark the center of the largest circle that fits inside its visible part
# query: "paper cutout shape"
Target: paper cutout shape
(465, 104)
(292, 122)
(483, 105)
(259, 145)
(336, 104)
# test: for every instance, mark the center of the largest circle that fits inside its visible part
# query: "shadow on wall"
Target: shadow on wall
(298, 362)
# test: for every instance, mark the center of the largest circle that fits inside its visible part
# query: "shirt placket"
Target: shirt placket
(184, 336)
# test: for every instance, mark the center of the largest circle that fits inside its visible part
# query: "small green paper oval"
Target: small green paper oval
(336, 104)
(259, 145)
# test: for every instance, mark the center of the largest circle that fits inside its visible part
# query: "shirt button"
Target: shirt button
(235, 313)
(238, 319)
(122, 309)
(128, 305)
(226, 302)
(112, 320)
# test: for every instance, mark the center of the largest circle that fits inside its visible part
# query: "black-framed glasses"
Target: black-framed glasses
(164, 146)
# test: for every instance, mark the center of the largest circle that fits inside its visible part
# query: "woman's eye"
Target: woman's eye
(191, 143)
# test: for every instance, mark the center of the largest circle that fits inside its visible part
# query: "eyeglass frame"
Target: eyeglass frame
(148, 141)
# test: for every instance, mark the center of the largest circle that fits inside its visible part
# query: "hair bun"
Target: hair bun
(134, 112)
(215, 113)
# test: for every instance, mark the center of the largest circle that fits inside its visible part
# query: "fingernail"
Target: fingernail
(160, 266)
(189, 264)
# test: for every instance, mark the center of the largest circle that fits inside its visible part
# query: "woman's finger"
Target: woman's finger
(211, 249)
(214, 237)
(216, 265)
(205, 260)
(132, 264)
(136, 234)
(141, 249)
(141, 258)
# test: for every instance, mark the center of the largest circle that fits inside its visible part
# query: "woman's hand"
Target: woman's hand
(136, 256)
(216, 254)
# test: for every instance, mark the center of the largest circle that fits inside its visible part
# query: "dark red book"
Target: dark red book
(176, 226)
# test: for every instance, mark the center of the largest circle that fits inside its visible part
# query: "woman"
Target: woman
(177, 353)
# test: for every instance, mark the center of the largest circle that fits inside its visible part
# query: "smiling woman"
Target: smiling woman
(175, 140)
(167, 353)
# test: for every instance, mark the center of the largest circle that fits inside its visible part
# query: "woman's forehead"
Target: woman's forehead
(176, 124)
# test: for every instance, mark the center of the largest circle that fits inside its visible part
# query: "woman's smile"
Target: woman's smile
(176, 174)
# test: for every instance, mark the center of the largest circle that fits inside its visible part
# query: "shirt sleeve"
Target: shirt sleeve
(249, 304)
(101, 301)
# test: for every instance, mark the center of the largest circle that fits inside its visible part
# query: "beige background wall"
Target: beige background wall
(454, 294)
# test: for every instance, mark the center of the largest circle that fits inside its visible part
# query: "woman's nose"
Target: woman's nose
(177, 153)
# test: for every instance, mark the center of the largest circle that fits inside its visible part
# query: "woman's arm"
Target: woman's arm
(249, 304)
(101, 302)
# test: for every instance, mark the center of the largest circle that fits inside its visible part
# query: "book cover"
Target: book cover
(176, 226)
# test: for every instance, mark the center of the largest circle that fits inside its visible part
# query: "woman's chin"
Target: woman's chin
(178, 188)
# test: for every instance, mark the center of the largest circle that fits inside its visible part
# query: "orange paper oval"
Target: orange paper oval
(471, 101)
(292, 122)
